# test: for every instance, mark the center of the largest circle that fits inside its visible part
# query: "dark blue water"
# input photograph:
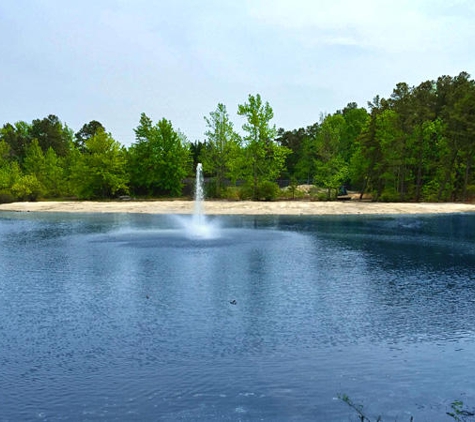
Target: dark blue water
(124, 317)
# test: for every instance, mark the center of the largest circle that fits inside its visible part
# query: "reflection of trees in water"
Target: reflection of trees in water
(403, 278)
(420, 283)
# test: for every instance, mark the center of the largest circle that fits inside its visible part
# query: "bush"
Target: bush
(389, 195)
(6, 197)
(267, 191)
(211, 189)
(28, 188)
(321, 196)
(246, 192)
(430, 191)
(231, 193)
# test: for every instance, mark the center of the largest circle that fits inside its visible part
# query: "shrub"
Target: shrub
(6, 197)
(231, 193)
(246, 192)
(430, 191)
(267, 191)
(321, 196)
(389, 195)
(27, 188)
(211, 189)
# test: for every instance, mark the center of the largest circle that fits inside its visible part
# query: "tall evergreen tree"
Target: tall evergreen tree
(50, 132)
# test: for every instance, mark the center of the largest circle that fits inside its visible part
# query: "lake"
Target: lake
(128, 317)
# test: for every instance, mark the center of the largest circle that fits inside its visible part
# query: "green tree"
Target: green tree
(331, 169)
(101, 171)
(28, 188)
(17, 136)
(421, 145)
(435, 152)
(47, 169)
(392, 166)
(50, 132)
(222, 150)
(300, 162)
(34, 162)
(196, 149)
(86, 132)
(461, 125)
(10, 173)
(356, 119)
(365, 170)
(159, 160)
(265, 159)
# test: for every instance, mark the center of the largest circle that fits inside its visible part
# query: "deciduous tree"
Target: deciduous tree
(101, 171)
(160, 159)
(264, 157)
(221, 154)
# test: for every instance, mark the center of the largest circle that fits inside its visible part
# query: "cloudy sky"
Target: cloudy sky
(110, 60)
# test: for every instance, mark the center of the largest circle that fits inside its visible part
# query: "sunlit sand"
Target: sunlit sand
(210, 207)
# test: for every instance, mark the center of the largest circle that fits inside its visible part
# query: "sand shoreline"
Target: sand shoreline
(241, 207)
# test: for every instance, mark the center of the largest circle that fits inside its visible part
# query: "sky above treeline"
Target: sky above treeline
(110, 60)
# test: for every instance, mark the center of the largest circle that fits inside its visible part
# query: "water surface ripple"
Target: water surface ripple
(125, 317)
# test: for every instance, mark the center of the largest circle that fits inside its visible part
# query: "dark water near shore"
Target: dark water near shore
(123, 317)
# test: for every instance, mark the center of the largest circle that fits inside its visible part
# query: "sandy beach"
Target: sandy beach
(352, 207)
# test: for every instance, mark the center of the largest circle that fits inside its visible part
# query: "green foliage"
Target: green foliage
(50, 132)
(267, 191)
(34, 162)
(6, 197)
(264, 158)
(221, 155)
(356, 118)
(86, 132)
(159, 160)
(100, 172)
(17, 137)
(10, 171)
(246, 192)
(231, 193)
(54, 176)
(331, 175)
(357, 407)
(389, 194)
(417, 145)
(292, 188)
(331, 169)
(27, 188)
(46, 168)
(419, 140)
(258, 115)
(458, 412)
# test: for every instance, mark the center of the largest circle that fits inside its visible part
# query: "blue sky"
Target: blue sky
(111, 60)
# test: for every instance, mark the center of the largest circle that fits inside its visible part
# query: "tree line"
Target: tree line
(416, 145)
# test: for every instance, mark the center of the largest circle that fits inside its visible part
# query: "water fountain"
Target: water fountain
(198, 217)
(198, 227)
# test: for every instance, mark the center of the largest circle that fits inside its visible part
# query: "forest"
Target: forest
(416, 145)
